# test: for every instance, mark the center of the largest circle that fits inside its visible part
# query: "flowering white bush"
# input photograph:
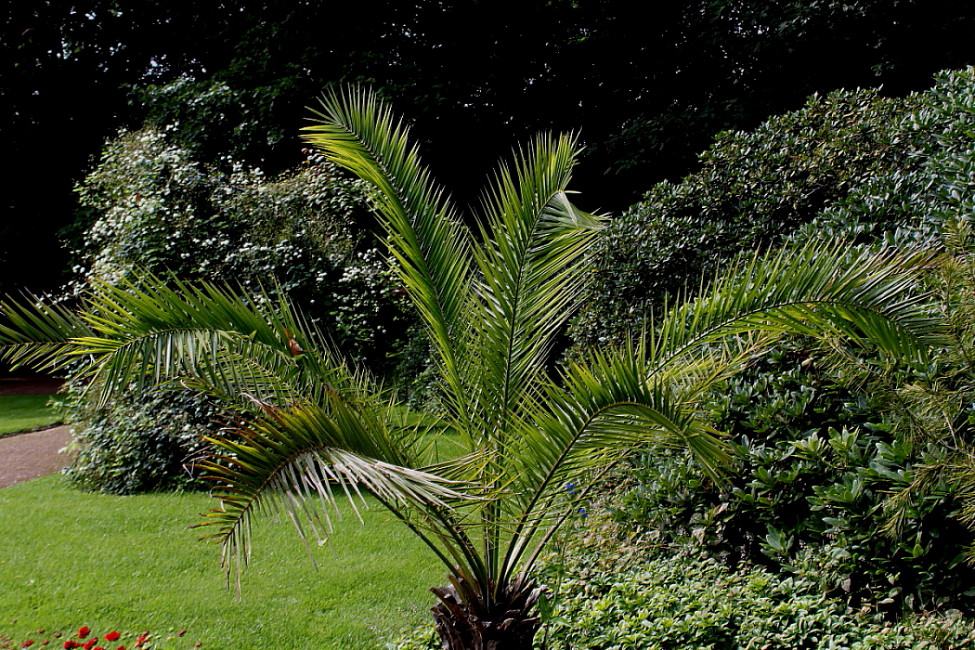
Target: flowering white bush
(152, 207)
(155, 208)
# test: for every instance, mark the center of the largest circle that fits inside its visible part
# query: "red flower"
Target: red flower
(27, 644)
(121, 647)
(90, 643)
(112, 636)
(83, 631)
(70, 644)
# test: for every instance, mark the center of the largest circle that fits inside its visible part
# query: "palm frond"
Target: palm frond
(822, 290)
(602, 411)
(535, 247)
(155, 331)
(296, 459)
(425, 236)
(38, 333)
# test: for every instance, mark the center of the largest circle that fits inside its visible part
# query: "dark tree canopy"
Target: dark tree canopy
(645, 93)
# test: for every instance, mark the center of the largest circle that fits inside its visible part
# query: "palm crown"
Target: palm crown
(309, 425)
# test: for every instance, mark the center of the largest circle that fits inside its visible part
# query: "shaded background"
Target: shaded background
(475, 75)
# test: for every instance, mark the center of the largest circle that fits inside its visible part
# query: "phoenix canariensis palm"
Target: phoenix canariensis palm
(309, 426)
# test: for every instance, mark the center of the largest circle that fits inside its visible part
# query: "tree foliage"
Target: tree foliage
(154, 207)
(753, 189)
(648, 94)
(850, 165)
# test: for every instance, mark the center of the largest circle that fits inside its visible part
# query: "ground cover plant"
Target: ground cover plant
(28, 413)
(613, 589)
(130, 564)
(303, 423)
(614, 586)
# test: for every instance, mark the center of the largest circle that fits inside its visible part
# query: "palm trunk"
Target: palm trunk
(465, 622)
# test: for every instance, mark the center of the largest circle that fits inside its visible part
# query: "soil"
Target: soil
(30, 386)
(24, 456)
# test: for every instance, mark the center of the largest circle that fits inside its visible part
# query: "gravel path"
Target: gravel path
(25, 456)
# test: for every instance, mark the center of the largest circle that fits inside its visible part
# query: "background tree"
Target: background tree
(647, 94)
(305, 234)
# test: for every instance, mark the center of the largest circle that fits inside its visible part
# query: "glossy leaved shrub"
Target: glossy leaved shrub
(800, 487)
(907, 204)
(850, 165)
(830, 454)
(610, 590)
(613, 601)
(752, 189)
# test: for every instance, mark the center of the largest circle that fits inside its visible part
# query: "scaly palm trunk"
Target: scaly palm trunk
(466, 622)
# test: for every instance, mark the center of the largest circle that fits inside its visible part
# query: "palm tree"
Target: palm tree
(308, 425)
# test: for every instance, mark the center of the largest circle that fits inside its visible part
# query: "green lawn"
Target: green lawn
(26, 413)
(69, 559)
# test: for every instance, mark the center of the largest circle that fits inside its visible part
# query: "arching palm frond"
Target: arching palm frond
(239, 348)
(531, 261)
(429, 241)
(820, 290)
(39, 333)
(159, 330)
(295, 459)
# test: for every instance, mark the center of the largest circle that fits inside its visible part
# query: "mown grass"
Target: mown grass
(129, 563)
(27, 413)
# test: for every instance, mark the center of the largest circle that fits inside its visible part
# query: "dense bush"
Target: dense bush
(850, 165)
(858, 461)
(142, 441)
(799, 488)
(664, 601)
(151, 207)
(752, 189)
(833, 449)
(907, 203)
